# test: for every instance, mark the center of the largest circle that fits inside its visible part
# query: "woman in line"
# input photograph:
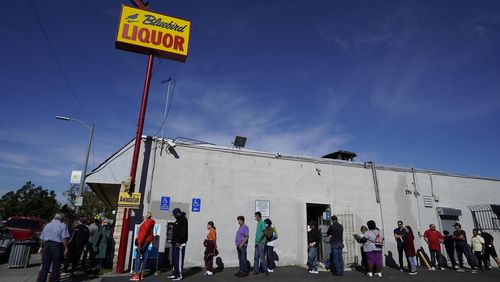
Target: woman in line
(210, 248)
(270, 243)
(410, 249)
(372, 245)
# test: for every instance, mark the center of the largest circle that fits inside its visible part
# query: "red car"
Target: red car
(25, 228)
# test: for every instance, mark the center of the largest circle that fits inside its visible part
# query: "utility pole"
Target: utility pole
(122, 250)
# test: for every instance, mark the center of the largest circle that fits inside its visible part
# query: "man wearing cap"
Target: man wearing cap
(179, 240)
(144, 239)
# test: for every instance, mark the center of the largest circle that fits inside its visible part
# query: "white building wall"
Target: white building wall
(229, 182)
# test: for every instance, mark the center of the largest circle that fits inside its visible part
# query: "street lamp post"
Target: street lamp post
(85, 163)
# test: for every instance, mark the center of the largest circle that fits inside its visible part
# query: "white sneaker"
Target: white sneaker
(413, 273)
(379, 274)
(177, 278)
(270, 270)
(208, 273)
(369, 274)
(432, 268)
(473, 271)
(313, 271)
(171, 276)
(442, 268)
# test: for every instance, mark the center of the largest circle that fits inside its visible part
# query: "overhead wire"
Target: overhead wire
(169, 97)
(65, 76)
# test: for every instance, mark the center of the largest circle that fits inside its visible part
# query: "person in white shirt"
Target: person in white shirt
(478, 246)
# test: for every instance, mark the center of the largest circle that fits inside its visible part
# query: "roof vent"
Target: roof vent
(239, 142)
(341, 155)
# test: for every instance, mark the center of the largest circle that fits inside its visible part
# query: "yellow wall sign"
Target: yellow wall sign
(127, 200)
(146, 32)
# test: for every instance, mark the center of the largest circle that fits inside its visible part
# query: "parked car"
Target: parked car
(5, 240)
(25, 228)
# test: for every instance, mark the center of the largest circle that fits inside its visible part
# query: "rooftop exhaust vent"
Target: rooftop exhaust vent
(341, 155)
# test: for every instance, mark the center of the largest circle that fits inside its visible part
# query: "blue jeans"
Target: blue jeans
(142, 258)
(242, 258)
(311, 258)
(338, 261)
(413, 266)
(51, 257)
(258, 259)
(178, 259)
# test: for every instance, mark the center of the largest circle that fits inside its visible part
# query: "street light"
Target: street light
(91, 136)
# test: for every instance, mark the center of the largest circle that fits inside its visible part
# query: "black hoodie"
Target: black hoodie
(180, 231)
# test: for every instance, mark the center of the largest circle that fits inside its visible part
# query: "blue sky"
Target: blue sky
(407, 83)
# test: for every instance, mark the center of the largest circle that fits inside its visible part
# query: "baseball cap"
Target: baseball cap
(176, 211)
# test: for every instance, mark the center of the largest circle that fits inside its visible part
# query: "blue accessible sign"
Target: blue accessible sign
(165, 203)
(196, 205)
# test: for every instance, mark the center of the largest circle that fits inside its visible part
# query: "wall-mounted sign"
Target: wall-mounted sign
(145, 32)
(196, 205)
(264, 207)
(165, 203)
(129, 200)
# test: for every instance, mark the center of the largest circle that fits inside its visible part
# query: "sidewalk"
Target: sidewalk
(281, 274)
(294, 273)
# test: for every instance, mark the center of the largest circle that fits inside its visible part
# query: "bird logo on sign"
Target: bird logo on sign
(131, 18)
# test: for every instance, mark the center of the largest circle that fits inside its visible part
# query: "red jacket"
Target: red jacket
(146, 232)
(408, 245)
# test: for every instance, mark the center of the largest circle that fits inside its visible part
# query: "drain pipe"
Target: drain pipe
(416, 194)
(377, 193)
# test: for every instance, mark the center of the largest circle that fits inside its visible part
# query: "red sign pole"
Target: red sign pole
(133, 170)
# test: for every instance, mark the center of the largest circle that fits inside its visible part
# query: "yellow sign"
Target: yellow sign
(146, 32)
(127, 200)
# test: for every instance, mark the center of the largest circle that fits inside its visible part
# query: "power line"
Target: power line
(72, 90)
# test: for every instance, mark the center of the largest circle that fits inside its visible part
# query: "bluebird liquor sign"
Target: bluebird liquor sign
(145, 32)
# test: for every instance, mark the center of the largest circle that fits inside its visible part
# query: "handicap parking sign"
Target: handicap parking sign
(196, 205)
(165, 203)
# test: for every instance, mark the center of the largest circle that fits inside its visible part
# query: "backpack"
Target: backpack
(275, 234)
(269, 233)
(379, 241)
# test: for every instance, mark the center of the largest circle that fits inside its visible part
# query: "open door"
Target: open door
(320, 213)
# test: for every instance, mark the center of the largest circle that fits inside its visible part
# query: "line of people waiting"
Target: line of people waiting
(477, 253)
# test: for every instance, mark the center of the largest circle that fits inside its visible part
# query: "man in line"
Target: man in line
(478, 246)
(463, 249)
(399, 233)
(179, 240)
(81, 235)
(434, 238)
(144, 239)
(259, 255)
(241, 242)
(489, 249)
(336, 233)
(313, 243)
(449, 244)
(54, 238)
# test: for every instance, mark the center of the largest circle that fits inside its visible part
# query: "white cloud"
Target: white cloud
(225, 110)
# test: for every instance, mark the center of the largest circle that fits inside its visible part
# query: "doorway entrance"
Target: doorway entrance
(320, 213)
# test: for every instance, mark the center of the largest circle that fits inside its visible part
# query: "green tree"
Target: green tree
(92, 205)
(29, 200)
